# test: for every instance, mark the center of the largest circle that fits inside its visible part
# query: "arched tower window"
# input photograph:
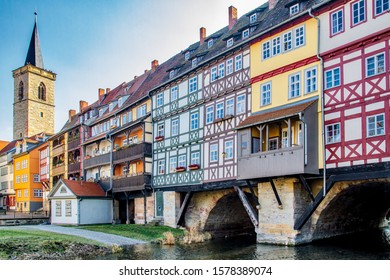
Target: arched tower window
(42, 92)
(21, 89)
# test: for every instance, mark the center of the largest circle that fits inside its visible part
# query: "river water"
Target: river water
(372, 245)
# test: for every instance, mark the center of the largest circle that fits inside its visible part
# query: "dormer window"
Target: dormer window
(100, 112)
(171, 74)
(120, 102)
(110, 107)
(253, 18)
(229, 43)
(187, 55)
(294, 9)
(245, 34)
(194, 62)
(210, 43)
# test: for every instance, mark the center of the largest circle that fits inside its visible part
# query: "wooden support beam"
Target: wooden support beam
(183, 208)
(306, 186)
(253, 196)
(254, 217)
(276, 193)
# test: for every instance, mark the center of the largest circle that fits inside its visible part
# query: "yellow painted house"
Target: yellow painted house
(27, 184)
(286, 104)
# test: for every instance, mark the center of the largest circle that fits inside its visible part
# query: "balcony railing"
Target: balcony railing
(132, 152)
(74, 167)
(97, 161)
(74, 144)
(59, 169)
(127, 183)
(58, 150)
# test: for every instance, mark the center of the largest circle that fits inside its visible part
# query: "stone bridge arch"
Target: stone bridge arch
(219, 212)
(352, 206)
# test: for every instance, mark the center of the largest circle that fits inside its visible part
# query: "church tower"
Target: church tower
(33, 93)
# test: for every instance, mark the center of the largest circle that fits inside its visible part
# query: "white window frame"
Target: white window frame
(210, 43)
(230, 106)
(333, 133)
(214, 75)
(195, 158)
(120, 102)
(36, 178)
(193, 84)
(300, 36)
(141, 111)
(378, 127)
(221, 70)
(174, 93)
(38, 193)
(182, 161)
(378, 9)
(161, 129)
(245, 34)
(229, 43)
(110, 106)
(266, 50)
(228, 149)
(172, 164)
(175, 127)
(273, 143)
(68, 208)
(294, 9)
(187, 55)
(171, 74)
(209, 114)
(294, 85)
(213, 152)
(194, 121)
(337, 22)
(265, 94)
(58, 208)
(241, 100)
(378, 63)
(194, 62)
(335, 77)
(219, 110)
(276, 46)
(161, 166)
(160, 99)
(311, 80)
(229, 66)
(287, 41)
(238, 62)
(360, 8)
(253, 18)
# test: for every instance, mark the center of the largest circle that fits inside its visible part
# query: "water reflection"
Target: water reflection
(374, 245)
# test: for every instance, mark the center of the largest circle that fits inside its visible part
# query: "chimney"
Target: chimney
(154, 64)
(71, 114)
(232, 17)
(83, 105)
(202, 33)
(101, 93)
(108, 90)
(272, 4)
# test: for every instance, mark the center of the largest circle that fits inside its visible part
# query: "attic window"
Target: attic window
(210, 43)
(100, 112)
(294, 9)
(245, 34)
(229, 43)
(111, 106)
(253, 18)
(194, 62)
(171, 74)
(63, 190)
(120, 102)
(187, 56)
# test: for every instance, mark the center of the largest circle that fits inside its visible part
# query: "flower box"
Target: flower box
(193, 166)
(180, 169)
(159, 138)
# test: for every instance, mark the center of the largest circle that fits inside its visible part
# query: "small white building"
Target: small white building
(79, 203)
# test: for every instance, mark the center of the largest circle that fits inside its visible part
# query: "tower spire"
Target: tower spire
(34, 53)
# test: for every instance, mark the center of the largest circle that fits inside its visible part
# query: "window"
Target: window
(209, 114)
(229, 66)
(381, 6)
(187, 55)
(141, 111)
(229, 43)
(332, 133)
(174, 93)
(221, 70)
(287, 41)
(120, 102)
(375, 65)
(110, 107)
(160, 166)
(253, 18)
(58, 209)
(210, 43)
(130, 116)
(238, 65)
(193, 84)
(171, 74)
(229, 149)
(358, 12)
(135, 139)
(276, 46)
(124, 118)
(25, 193)
(36, 178)
(24, 178)
(160, 129)
(100, 112)
(17, 178)
(19, 193)
(213, 152)
(294, 9)
(194, 62)
(375, 125)
(41, 114)
(21, 91)
(311, 80)
(4, 171)
(230, 107)
(214, 74)
(265, 94)
(42, 92)
(219, 111)
(195, 158)
(172, 164)
(17, 166)
(285, 138)
(337, 22)
(240, 104)
(273, 144)
(266, 50)
(332, 78)
(182, 161)
(194, 121)
(160, 99)
(299, 36)
(38, 193)
(294, 85)
(245, 34)
(68, 208)
(24, 164)
(175, 127)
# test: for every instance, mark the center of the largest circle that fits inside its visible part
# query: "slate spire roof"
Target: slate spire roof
(34, 53)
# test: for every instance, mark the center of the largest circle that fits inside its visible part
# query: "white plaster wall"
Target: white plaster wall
(96, 211)
(71, 220)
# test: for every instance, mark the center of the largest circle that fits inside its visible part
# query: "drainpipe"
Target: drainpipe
(151, 179)
(302, 119)
(322, 99)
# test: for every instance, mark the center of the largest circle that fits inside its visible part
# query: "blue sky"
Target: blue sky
(93, 44)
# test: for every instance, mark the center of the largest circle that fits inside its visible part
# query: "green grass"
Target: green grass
(140, 232)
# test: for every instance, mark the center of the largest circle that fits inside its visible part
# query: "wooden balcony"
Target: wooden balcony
(59, 169)
(127, 183)
(97, 161)
(74, 144)
(74, 167)
(58, 150)
(132, 152)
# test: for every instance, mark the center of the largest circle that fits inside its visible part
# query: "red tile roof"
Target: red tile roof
(84, 189)
(275, 114)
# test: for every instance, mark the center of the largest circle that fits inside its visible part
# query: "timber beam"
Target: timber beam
(306, 186)
(254, 217)
(183, 208)
(271, 181)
